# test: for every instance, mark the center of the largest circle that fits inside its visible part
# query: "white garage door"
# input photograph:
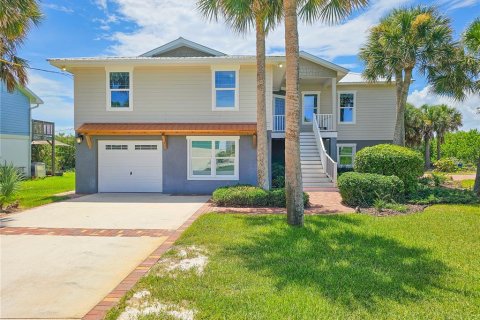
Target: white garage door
(129, 166)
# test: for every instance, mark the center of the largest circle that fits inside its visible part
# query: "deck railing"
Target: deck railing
(329, 166)
(325, 121)
(278, 123)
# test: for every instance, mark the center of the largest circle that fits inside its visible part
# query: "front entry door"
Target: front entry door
(310, 103)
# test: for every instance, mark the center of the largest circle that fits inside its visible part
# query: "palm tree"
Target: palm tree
(242, 15)
(448, 119)
(309, 10)
(406, 39)
(413, 126)
(16, 18)
(429, 119)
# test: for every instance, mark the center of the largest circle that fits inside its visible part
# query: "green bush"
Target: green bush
(250, 196)
(10, 179)
(434, 195)
(438, 179)
(278, 175)
(446, 165)
(362, 189)
(391, 160)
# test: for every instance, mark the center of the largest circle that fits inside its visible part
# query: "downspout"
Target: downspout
(29, 169)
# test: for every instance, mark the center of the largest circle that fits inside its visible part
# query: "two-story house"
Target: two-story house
(181, 118)
(16, 126)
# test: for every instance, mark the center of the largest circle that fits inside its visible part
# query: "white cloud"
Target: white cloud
(102, 4)
(57, 97)
(468, 108)
(160, 21)
(457, 4)
(57, 7)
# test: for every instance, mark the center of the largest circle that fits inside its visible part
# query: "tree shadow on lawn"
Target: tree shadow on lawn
(335, 257)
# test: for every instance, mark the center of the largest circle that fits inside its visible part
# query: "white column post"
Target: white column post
(334, 103)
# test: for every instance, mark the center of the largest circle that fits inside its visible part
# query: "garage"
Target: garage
(130, 166)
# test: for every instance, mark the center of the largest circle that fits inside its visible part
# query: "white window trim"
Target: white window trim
(319, 94)
(237, 87)
(354, 152)
(130, 88)
(354, 120)
(190, 175)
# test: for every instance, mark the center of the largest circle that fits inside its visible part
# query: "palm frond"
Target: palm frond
(329, 11)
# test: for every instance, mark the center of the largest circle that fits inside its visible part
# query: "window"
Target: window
(213, 158)
(116, 147)
(310, 103)
(346, 155)
(119, 93)
(225, 90)
(347, 106)
(145, 147)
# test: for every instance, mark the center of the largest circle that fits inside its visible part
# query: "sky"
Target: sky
(86, 28)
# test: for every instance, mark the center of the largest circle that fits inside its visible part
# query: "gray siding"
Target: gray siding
(310, 70)
(184, 52)
(375, 114)
(174, 166)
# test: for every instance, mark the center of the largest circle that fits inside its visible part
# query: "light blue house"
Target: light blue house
(15, 126)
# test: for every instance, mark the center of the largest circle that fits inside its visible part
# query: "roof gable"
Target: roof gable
(327, 64)
(182, 47)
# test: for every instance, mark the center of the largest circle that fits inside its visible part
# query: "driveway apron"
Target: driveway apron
(58, 261)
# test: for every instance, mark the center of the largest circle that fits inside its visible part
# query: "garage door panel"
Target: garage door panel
(130, 166)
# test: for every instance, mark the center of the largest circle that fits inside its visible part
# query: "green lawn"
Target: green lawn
(41, 191)
(467, 184)
(418, 266)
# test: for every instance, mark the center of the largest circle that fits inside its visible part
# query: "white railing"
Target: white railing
(279, 123)
(325, 122)
(329, 166)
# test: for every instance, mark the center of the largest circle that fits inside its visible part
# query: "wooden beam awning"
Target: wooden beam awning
(178, 129)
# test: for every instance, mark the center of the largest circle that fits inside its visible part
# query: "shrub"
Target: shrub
(434, 195)
(361, 189)
(10, 179)
(446, 165)
(391, 160)
(438, 179)
(250, 196)
(278, 175)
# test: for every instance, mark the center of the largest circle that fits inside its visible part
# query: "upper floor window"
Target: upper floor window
(119, 90)
(347, 107)
(225, 89)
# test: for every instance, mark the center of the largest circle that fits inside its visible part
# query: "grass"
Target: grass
(37, 192)
(418, 266)
(467, 184)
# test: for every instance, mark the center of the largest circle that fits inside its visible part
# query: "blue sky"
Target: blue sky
(79, 28)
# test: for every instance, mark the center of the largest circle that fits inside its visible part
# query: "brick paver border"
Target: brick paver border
(85, 232)
(111, 300)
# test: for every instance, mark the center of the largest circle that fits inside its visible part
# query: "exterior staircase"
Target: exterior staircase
(313, 173)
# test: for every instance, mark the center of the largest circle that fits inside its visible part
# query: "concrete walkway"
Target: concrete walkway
(58, 261)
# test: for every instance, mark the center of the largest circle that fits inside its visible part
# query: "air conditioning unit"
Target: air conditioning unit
(38, 170)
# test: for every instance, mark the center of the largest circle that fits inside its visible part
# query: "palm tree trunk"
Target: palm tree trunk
(427, 153)
(476, 186)
(439, 145)
(293, 171)
(263, 178)
(403, 85)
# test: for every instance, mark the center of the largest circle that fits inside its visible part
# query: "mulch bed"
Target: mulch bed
(411, 208)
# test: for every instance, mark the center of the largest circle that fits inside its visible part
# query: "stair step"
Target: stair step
(313, 172)
(316, 180)
(318, 185)
(317, 174)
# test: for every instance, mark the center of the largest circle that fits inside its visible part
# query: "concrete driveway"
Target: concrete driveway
(59, 260)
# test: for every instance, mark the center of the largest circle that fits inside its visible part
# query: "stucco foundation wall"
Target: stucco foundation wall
(174, 166)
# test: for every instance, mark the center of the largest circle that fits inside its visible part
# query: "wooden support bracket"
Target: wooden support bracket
(88, 139)
(164, 142)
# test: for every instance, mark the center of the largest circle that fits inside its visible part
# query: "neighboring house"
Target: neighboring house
(15, 126)
(182, 118)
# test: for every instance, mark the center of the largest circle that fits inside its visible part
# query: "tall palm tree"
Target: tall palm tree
(243, 15)
(16, 19)
(406, 39)
(309, 10)
(448, 119)
(429, 119)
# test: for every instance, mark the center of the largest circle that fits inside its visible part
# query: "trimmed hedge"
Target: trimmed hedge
(391, 160)
(250, 196)
(362, 189)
